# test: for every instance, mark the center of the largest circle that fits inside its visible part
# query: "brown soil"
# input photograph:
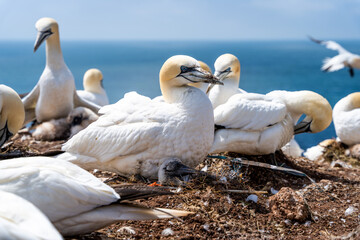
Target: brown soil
(221, 214)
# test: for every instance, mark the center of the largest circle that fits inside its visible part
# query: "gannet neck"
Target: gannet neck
(12, 109)
(54, 56)
(316, 108)
(92, 81)
(220, 94)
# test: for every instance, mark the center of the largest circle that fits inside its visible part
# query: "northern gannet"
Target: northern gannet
(74, 200)
(343, 59)
(93, 88)
(20, 219)
(261, 124)
(227, 69)
(12, 113)
(137, 134)
(292, 149)
(346, 116)
(54, 96)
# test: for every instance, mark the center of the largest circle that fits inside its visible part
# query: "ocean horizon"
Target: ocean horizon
(134, 66)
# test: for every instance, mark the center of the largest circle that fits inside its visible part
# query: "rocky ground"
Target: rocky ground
(246, 201)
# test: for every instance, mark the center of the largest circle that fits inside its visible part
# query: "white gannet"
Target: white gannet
(346, 116)
(12, 113)
(93, 88)
(54, 96)
(137, 134)
(343, 59)
(227, 66)
(74, 200)
(261, 124)
(20, 219)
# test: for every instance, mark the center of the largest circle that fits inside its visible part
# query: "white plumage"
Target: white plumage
(252, 123)
(137, 134)
(292, 149)
(54, 96)
(347, 119)
(93, 89)
(74, 200)
(343, 59)
(20, 219)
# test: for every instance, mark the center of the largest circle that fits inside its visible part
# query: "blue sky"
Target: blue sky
(184, 19)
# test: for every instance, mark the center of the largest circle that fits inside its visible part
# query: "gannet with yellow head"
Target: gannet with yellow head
(227, 69)
(20, 219)
(137, 134)
(261, 124)
(93, 87)
(74, 200)
(347, 119)
(12, 113)
(54, 96)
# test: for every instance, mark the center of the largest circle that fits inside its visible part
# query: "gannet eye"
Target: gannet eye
(76, 120)
(184, 69)
(227, 70)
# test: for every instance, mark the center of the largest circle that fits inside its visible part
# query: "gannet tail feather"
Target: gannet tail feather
(106, 215)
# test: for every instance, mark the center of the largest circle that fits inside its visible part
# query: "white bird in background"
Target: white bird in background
(346, 116)
(74, 200)
(20, 219)
(343, 59)
(226, 66)
(252, 123)
(136, 135)
(93, 88)
(12, 113)
(54, 96)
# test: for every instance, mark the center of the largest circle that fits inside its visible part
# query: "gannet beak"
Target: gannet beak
(41, 37)
(199, 75)
(302, 127)
(222, 75)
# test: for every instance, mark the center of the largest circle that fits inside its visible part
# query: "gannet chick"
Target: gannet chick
(292, 149)
(347, 119)
(173, 172)
(54, 96)
(20, 219)
(93, 88)
(12, 113)
(343, 59)
(227, 69)
(315, 152)
(136, 135)
(261, 124)
(74, 200)
(79, 118)
(63, 128)
(202, 86)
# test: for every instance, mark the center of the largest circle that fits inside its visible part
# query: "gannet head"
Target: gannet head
(12, 113)
(205, 67)
(93, 80)
(79, 118)
(45, 27)
(173, 172)
(227, 66)
(316, 108)
(179, 71)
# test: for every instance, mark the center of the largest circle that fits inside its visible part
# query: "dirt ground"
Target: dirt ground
(330, 204)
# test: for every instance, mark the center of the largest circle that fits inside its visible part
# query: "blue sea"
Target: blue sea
(134, 66)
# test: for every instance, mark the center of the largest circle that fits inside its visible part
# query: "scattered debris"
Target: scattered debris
(252, 197)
